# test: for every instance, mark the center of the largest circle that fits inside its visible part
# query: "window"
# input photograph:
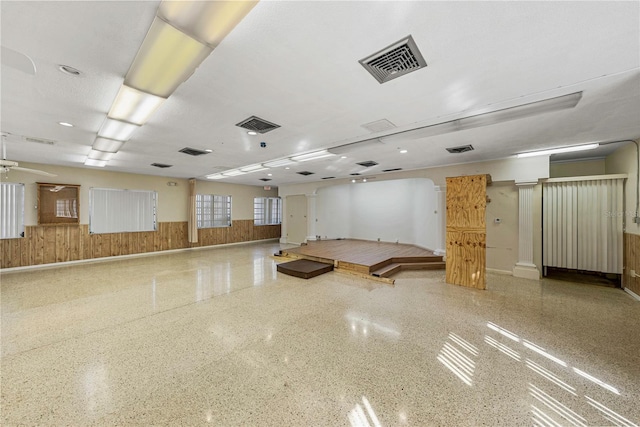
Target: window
(11, 210)
(213, 210)
(58, 204)
(267, 210)
(115, 211)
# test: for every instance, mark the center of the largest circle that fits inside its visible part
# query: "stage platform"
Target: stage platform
(378, 259)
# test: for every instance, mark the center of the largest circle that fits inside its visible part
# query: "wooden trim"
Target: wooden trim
(631, 262)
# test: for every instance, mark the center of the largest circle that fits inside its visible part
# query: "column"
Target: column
(311, 216)
(525, 267)
(441, 219)
(285, 220)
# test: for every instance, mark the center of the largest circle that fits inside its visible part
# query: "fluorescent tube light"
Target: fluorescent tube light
(490, 118)
(98, 163)
(234, 172)
(253, 168)
(216, 176)
(559, 150)
(278, 163)
(312, 156)
(166, 58)
(108, 145)
(115, 129)
(208, 21)
(100, 155)
(134, 106)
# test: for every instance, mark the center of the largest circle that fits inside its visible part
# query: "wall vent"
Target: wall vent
(328, 177)
(305, 173)
(257, 124)
(460, 149)
(392, 170)
(265, 179)
(395, 60)
(161, 165)
(367, 164)
(193, 151)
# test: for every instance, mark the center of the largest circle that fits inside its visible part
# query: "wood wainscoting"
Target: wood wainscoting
(60, 243)
(631, 262)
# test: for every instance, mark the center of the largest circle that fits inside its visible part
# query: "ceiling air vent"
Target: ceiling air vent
(392, 170)
(306, 173)
(257, 124)
(193, 151)
(265, 179)
(354, 174)
(460, 149)
(38, 140)
(367, 164)
(398, 59)
(328, 177)
(161, 165)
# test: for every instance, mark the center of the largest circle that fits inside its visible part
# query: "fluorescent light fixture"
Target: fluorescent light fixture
(253, 168)
(216, 176)
(166, 58)
(208, 21)
(312, 156)
(108, 145)
(346, 148)
(116, 129)
(98, 163)
(134, 106)
(69, 125)
(489, 118)
(233, 172)
(403, 151)
(100, 155)
(278, 163)
(559, 150)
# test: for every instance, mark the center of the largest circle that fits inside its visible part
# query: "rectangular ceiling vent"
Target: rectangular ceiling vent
(161, 165)
(38, 140)
(395, 60)
(328, 177)
(367, 164)
(354, 174)
(306, 173)
(193, 151)
(256, 124)
(379, 126)
(265, 179)
(460, 149)
(392, 170)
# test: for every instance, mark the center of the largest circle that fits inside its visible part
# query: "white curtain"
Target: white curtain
(115, 211)
(583, 224)
(11, 210)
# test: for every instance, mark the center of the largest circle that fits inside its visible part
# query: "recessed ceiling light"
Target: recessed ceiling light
(69, 125)
(287, 167)
(364, 180)
(269, 174)
(70, 71)
(209, 151)
(252, 133)
(343, 157)
(353, 181)
(403, 151)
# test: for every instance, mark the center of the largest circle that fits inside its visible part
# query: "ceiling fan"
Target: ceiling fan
(8, 165)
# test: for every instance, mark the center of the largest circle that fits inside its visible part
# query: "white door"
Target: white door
(296, 215)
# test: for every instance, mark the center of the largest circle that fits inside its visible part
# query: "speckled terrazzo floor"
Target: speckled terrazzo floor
(218, 336)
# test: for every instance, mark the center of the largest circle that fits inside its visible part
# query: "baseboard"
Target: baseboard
(121, 257)
(633, 294)
(497, 271)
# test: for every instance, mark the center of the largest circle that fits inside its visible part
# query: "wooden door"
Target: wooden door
(466, 231)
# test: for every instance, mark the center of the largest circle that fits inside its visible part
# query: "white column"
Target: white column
(283, 225)
(525, 267)
(311, 216)
(441, 218)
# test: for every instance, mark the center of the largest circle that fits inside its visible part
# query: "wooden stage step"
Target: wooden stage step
(304, 268)
(396, 267)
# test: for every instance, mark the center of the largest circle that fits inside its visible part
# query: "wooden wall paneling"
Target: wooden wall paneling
(49, 244)
(466, 231)
(631, 262)
(37, 243)
(61, 243)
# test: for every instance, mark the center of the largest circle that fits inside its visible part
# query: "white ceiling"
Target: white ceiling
(296, 64)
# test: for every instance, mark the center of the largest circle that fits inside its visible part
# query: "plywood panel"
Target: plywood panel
(466, 230)
(631, 262)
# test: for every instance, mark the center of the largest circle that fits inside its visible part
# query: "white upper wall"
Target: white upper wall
(624, 160)
(172, 200)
